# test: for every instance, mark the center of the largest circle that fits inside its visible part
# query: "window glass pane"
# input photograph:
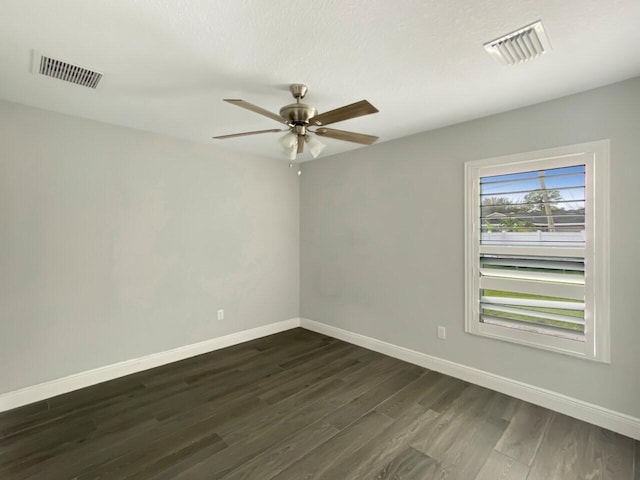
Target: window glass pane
(542, 207)
(558, 269)
(561, 313)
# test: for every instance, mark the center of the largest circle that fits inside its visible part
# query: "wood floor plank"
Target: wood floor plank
(155, 455)
(38, 447)
(282, 348)
(193, 366)
(463, 436)
(187, 397)
(222, 463)
(108, 445)
(467, 455)
(410, 464)
(316, 354)
(503, 406)
(576, 450)
(168, 467)
(138, 398)
(381, 449)
(248, 394)
(449, 392)
(377, 394)
(358, 380)
(333, 451)
(525, 432)
(87, 455)
(448, 424)
(289, 387)
(636, 462)
(559, 456)
(26, 413)
(442, 391)
(378, 365)
(248, 425)
(501, 467)
(618, 454)
(245, 406)
(408, 396)
(272, 461)
(42, 420)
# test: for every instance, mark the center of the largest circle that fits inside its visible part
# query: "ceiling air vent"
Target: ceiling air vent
(524, 44)
(51, 67)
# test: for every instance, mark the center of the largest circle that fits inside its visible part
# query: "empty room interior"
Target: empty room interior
(320, 240)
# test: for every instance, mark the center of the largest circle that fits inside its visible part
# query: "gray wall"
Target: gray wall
(116, 243)
(382, 241)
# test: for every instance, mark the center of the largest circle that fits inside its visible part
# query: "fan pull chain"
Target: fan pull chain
(299, 171)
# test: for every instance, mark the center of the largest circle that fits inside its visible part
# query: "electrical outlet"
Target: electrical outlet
(220, 314)
(442, 333)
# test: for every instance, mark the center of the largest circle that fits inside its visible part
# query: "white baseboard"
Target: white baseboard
(42, 391)
(588, 412)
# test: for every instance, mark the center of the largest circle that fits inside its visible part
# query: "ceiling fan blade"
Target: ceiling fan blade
(346, 136)
(300, 144)
(232, 135)
(255, 108)
(354, 110)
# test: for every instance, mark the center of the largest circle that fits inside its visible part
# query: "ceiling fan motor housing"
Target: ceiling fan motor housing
(297, 113)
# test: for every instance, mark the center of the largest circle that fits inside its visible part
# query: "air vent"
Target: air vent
(68, 72)
(524, 44)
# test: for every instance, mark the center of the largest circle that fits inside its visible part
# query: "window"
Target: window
(537, 249)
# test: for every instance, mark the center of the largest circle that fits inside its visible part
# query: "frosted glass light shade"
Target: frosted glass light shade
(315, 146)
(288, 141)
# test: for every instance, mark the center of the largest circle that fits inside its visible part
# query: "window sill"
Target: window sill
(576, 347)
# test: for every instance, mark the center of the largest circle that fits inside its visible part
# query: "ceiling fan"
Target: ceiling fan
(304, 123)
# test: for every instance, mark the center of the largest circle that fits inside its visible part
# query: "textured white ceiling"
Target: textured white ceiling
(168, 63)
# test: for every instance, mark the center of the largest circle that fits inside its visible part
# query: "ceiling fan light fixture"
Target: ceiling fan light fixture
(289, 144)
(292, 153)
(289, 141)
(315, 146)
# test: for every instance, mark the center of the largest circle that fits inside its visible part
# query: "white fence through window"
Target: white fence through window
(539, 238)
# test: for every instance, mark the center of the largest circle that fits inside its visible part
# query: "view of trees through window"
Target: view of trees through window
(538, 201)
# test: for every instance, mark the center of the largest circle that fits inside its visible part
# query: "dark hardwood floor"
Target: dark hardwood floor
(298, 405)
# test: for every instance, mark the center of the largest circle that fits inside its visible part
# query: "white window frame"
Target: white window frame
(595, 157)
